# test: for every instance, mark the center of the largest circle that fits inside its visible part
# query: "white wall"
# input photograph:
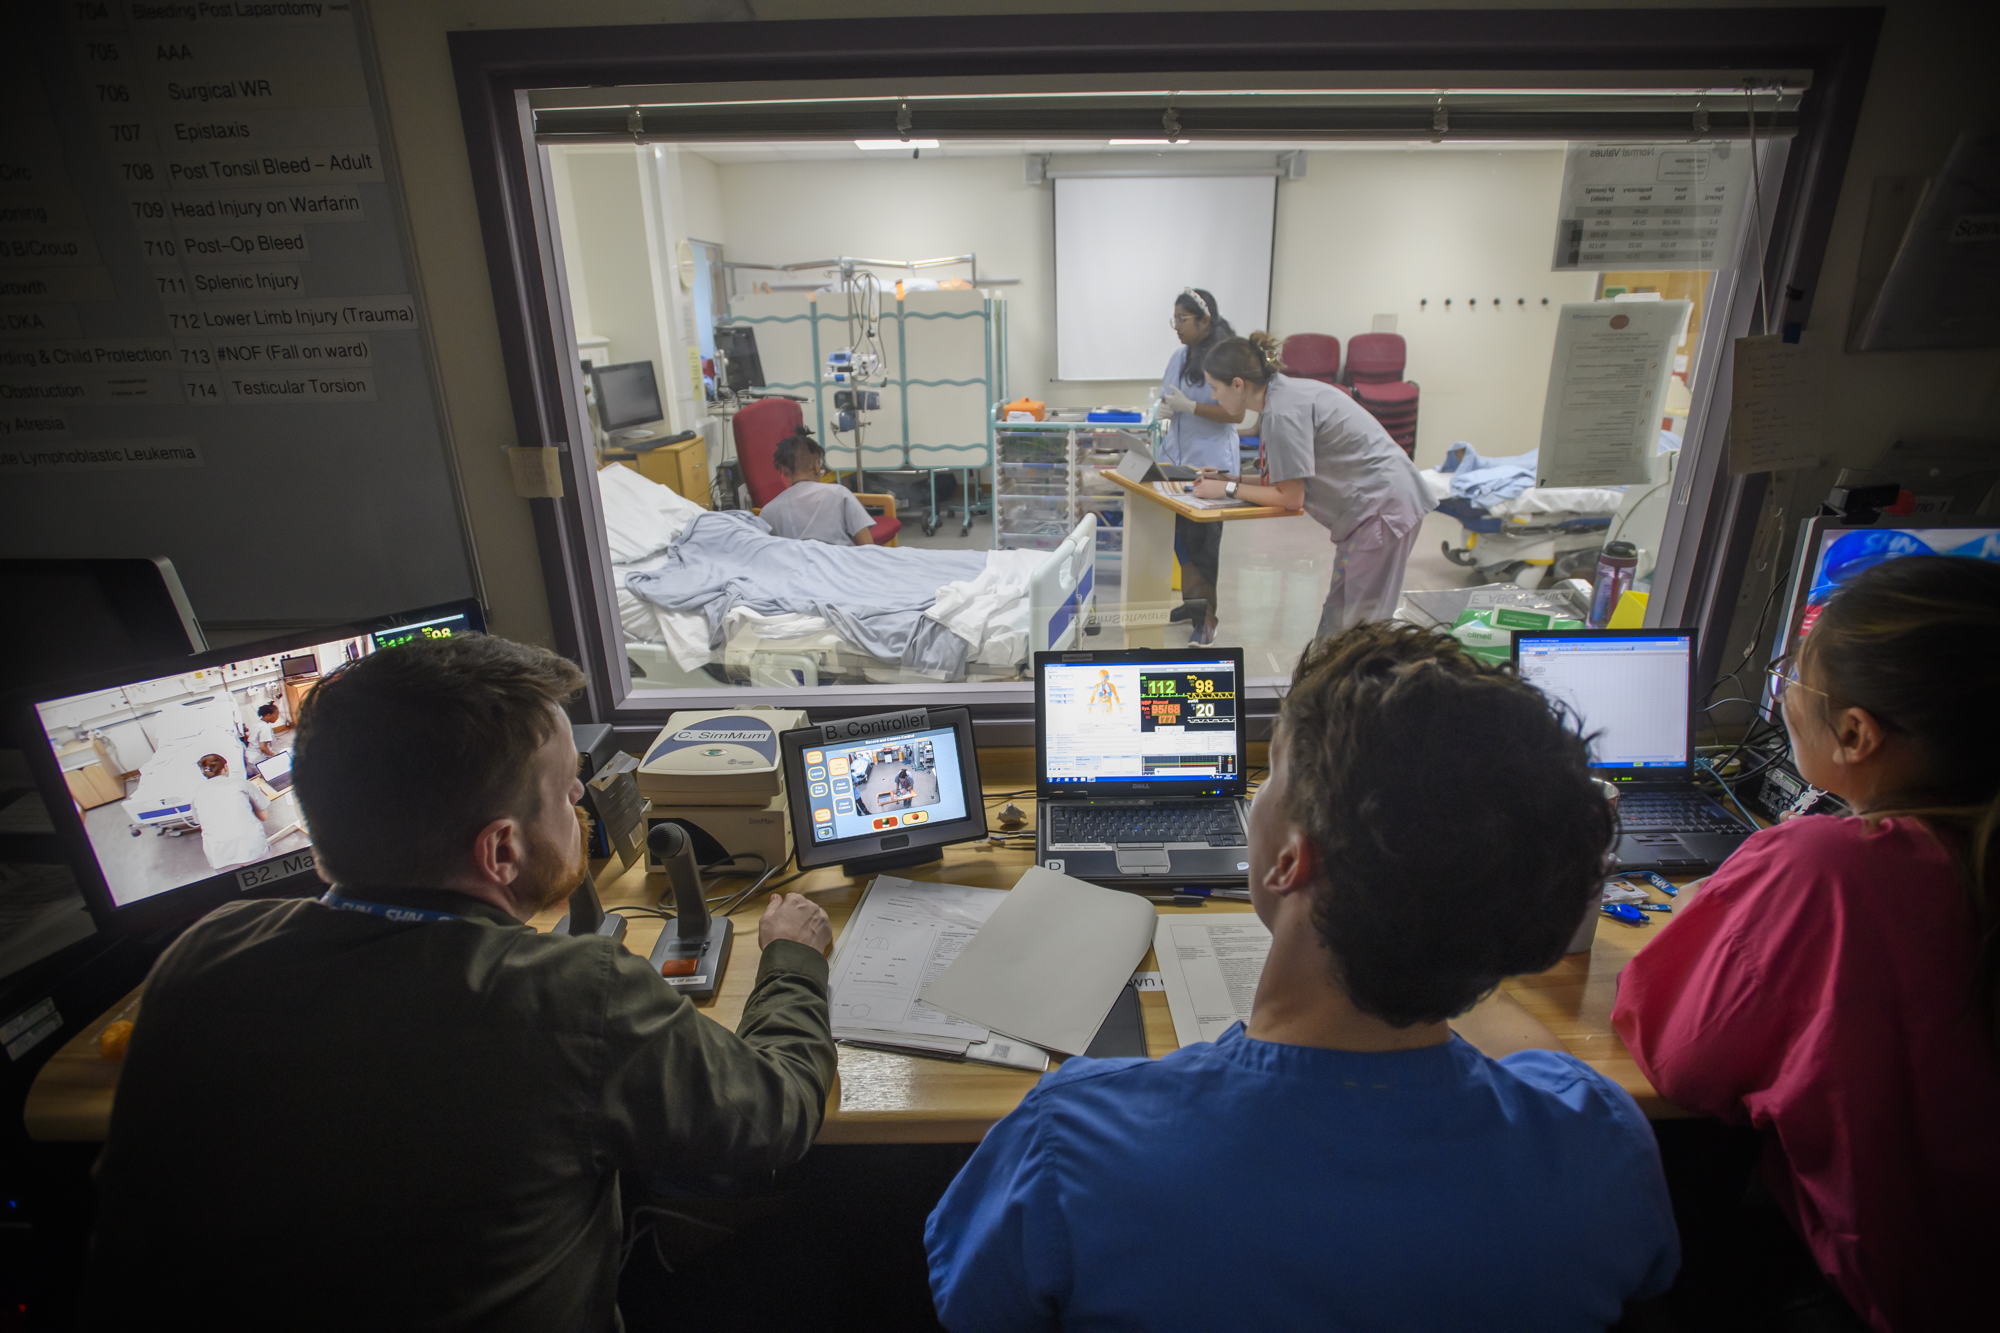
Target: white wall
(1365, 233)
(701, 195)
(1371, 233)
(606, 254)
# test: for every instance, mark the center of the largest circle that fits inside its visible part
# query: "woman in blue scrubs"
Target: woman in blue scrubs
(1200, 435)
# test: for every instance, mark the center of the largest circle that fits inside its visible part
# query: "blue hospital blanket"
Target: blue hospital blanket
(873, 596)
(1487, 481)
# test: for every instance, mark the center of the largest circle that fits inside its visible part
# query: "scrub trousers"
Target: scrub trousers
(1198, 546)
(1367, 574)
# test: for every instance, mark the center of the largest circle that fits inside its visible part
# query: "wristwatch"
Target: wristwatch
(1230, 490)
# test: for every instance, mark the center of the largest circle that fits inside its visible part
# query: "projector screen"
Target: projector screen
(1126, 246)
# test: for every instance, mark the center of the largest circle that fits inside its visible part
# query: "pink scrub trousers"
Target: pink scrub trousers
(1368, 572)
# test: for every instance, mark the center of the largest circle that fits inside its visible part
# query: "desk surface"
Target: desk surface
(884, 1098)
(1186, 510)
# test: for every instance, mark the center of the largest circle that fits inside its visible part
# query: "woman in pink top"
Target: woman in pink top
(1834, 983)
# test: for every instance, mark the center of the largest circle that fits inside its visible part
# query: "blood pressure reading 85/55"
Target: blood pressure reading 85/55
(1187, 700)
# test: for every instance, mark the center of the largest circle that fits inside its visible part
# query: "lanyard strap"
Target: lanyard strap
(340, 904)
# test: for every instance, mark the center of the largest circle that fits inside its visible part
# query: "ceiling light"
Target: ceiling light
(1118, 141)
(890, 145)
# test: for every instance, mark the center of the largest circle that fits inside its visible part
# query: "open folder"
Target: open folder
(1049, 963)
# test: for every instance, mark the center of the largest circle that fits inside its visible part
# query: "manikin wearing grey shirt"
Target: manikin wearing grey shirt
(809, 509)
(819, 511)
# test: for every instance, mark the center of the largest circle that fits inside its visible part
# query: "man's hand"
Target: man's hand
(790, 916)
(1210, 487)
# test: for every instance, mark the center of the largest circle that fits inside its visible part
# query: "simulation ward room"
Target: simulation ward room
(1059, 667)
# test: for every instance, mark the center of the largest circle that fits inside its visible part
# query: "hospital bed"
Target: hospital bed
(1004, 605)
(182, 732)
(1536, 534)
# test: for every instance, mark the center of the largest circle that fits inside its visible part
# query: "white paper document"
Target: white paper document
(1049, 961)
(1210, 968)
(1773, 407)
(902, 936)
(1650, 205)
(1607, 391)
(1178, 490)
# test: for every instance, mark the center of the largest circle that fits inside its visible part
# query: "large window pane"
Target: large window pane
(1414, 277)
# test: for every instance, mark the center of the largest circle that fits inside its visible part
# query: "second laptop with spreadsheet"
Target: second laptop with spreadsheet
(1140, 767)
(1632, 691)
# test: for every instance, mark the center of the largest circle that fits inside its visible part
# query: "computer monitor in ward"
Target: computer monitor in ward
(736, 344)
(628, 396)
(156, 779)
(1630, 690)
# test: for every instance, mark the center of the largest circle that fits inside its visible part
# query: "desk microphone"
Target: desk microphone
(694, 953)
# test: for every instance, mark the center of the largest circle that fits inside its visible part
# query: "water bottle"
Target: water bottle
(1617, 563)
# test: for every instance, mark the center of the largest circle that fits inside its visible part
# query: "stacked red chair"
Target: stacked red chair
(1312, 356)
(1375, 363)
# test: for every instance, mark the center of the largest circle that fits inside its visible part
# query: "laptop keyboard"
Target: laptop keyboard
(1673, 812)
(1195, 821)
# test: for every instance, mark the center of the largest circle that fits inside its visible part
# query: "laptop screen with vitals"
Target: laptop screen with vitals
(1140, 722)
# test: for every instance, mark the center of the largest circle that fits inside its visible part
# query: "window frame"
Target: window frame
(1709, 530)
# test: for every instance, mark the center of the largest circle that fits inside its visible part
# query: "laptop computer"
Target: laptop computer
(1633, 692)
(1138, 465)
(1140, 763)
(277, 770)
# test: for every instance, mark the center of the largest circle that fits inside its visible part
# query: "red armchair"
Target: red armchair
(759, 427)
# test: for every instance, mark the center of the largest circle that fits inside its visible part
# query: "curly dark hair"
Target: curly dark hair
(798, 452)
(1451, 808)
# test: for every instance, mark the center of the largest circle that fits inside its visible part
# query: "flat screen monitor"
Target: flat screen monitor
(736, 344)
(79, 616)
(1831, 553)
(1632, 692)
(877, 792)
(628, 395)
(149, 775)
(1144, 722)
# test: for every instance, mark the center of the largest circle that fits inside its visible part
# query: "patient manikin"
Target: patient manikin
(809, 509)
(232, 815)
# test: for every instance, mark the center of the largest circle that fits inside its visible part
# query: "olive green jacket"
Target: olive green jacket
(332, 1120)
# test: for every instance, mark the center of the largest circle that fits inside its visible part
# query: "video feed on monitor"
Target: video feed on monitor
(886, 783)
(182, 778)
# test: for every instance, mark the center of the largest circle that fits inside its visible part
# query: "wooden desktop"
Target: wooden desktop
(885, 1098)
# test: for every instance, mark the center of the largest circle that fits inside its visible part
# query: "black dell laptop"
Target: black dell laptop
(1139, 759)
(1633, 693)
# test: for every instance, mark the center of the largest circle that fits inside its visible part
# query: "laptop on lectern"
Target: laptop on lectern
(1140, 764)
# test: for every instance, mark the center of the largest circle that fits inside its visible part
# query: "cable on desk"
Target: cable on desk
(1741, 809)
(762, 879)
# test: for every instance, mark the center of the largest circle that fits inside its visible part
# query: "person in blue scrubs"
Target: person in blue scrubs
(1199, 434)
(1345, 1159)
